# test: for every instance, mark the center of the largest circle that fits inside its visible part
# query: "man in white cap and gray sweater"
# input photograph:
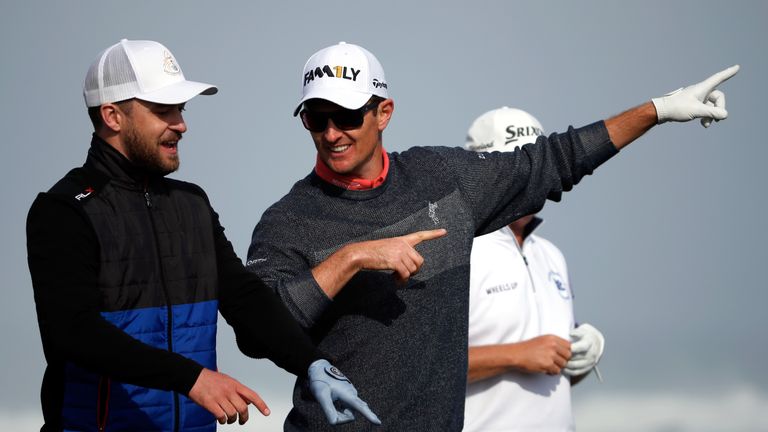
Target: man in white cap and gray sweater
(130, 269)
(525, 351)
(328, 247)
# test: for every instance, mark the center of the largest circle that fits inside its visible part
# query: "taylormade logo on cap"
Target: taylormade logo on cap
(503, 129)
(139, 69)
(345, 74)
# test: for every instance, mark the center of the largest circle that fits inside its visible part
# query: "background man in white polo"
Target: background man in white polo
(521, 312)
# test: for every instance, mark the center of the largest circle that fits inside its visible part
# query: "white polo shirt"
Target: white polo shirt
(511, 301)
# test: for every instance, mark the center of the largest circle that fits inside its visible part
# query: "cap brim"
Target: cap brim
(346, 99)
(178, 93)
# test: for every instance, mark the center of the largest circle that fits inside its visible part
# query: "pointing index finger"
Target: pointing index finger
(420, 236)
(721, 77)
(360, 406)
(252, 397)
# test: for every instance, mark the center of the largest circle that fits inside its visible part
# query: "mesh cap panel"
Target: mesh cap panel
(139, 69)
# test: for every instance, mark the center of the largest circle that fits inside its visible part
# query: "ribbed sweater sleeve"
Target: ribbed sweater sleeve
(263, 325)
(287, 273)
(501, 187)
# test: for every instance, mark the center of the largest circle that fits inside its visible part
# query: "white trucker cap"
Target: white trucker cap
(345, 74)
(139, 69)
(503, 129)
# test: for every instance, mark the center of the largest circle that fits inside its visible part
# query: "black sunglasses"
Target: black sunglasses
(344, 119)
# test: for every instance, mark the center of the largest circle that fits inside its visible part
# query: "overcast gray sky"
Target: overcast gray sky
(665, 243)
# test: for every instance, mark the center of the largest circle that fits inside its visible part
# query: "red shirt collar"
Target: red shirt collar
(350, 182)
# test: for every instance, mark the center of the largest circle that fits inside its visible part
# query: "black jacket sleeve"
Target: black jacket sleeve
(63, 258)
(263, 325)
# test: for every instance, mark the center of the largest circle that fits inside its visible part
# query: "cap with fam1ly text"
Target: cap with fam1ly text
(345, 74)
(139, 69)
(503, 129)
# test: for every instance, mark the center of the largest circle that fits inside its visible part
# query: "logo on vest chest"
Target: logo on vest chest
(85, 194)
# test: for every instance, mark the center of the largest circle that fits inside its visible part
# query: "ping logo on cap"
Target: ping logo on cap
(169, 64)
(344, 72)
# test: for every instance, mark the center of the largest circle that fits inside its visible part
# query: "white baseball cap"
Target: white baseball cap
(345, 74)
(503, 129)
(139, 69)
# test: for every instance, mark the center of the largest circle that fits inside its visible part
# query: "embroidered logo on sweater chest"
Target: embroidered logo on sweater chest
(433, 212)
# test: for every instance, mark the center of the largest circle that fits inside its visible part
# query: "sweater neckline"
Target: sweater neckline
(356, 195)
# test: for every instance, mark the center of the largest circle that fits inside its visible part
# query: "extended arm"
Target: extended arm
(551, 166)
(631, 124)
(701, 100)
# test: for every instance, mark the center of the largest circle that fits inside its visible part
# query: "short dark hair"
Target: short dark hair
(375, 100)
(94, 113)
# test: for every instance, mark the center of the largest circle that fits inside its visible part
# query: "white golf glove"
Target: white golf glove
(329, 385)
(700, 100)
(587, 345)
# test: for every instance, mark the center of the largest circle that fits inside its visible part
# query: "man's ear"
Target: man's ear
(386, 108)
(112, 117)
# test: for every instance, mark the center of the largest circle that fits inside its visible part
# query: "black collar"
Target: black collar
(105, 159)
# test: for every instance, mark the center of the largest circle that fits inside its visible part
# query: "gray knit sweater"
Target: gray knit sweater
(405, 347)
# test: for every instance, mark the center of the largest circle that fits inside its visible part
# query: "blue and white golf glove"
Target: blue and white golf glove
(587, 344)
(329, 385)
(700, 100)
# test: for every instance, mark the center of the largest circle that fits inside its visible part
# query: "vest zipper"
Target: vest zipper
(169, 330)
(102, 407)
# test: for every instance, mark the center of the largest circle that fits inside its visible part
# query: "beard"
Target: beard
(144, 153)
